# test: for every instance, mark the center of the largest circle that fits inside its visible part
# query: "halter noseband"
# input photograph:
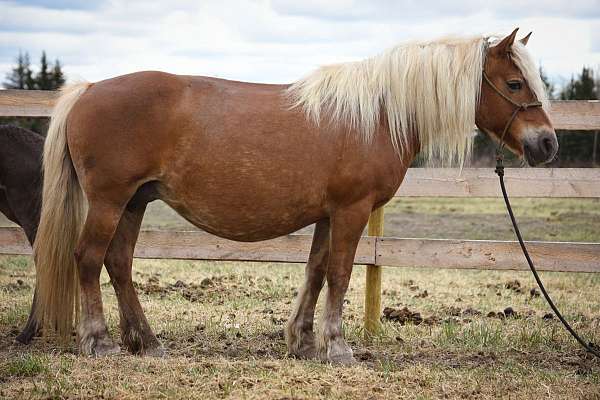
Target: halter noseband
(518, 107)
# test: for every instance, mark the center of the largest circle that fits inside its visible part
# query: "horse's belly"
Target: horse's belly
(246, 226)
(251, 215)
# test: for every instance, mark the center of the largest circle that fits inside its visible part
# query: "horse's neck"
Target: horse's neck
(407, 151)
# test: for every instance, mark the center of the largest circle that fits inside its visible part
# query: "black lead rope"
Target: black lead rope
(591, 348)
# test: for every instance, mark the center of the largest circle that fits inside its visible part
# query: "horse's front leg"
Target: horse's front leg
(32, 327)
(347, 225)
(299, 331)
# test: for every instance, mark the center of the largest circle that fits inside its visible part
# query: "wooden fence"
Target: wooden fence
(376, 250)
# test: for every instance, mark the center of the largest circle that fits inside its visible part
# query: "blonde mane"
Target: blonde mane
(428, 88)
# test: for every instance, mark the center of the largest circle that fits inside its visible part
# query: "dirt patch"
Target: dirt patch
(405, 316)
(456, 315)
(213, 288)
(515, 286)
(453, 311)
(411, 285)
(470, 311)
(16, 286)
(402, 316)
(508, 312)
(453, 315)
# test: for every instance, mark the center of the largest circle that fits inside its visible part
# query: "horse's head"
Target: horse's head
(510, 107)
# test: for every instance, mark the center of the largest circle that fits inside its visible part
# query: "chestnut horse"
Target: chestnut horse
(251, 162)
(21, 190)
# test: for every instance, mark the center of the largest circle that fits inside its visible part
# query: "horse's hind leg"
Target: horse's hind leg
(299, 331)
(99, 228)
(31, 327)
(135, 331)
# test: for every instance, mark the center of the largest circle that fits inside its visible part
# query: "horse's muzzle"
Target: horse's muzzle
(540, 148)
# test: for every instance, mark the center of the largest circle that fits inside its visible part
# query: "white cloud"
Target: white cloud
(277, 41)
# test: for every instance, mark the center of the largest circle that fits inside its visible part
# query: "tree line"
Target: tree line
(49, 76)
(576, 148)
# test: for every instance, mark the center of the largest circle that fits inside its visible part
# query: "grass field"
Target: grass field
(225, 336)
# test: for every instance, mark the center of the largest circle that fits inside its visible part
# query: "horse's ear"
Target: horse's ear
(505, 44)
(525, 39)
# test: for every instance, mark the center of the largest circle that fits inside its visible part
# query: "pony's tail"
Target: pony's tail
(61, 219)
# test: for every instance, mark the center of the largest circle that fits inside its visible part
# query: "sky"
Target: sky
(278, 41)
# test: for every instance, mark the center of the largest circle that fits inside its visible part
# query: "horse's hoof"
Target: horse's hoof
(143, 344)
(338, 352)
(305, 352)
(103, 351)
(25, 337)
(342, 359)
(105, 347)
(158, 351)
(303, 346)
(29, 332)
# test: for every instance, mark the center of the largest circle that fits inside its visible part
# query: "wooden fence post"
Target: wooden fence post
(373, 282)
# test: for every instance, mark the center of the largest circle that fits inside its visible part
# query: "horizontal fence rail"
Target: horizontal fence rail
(483, 182)
(575, 115)
(581, 115)
(378, 251)
(27, 103)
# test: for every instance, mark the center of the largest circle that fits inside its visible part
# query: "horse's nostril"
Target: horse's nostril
(547, 145)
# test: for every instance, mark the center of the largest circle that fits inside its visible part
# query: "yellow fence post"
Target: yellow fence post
(373, 282)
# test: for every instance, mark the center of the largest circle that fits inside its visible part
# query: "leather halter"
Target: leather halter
(518, 107)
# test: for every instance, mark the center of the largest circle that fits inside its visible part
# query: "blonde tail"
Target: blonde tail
(61, 220)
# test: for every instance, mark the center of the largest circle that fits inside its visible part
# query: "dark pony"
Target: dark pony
(21, 190)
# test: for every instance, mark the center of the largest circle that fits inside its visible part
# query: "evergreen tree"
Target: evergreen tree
(547, 83)
(58, 78)
(578, 148)
(49, 77)
(21, 76)
(582, 88)
(44, 77)
(568, 92)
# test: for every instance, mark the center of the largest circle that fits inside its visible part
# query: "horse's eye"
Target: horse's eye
(514, 85)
